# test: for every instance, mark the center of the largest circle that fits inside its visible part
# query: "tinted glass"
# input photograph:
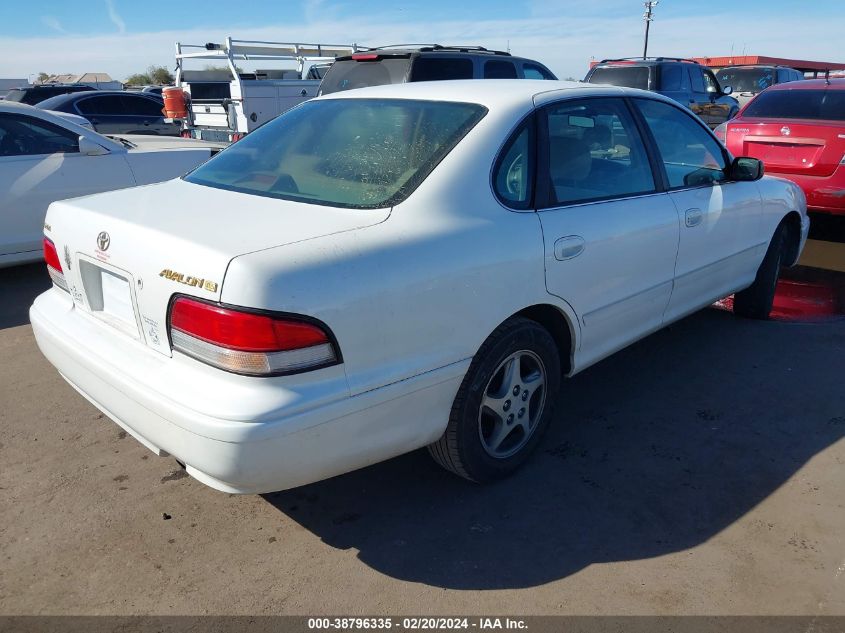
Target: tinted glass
(690, 154)
(533, 71)
(671, 77)
(595, 152)
(696, 80)
(497, 69)
(213, 90)
(746, 79)
(710, 83)
(358, 153)
(826, 105)
(105, 104)
(629, 76)
(439, 68)
(27, 136)
(351, 74)
(141, 106)
(514, 175)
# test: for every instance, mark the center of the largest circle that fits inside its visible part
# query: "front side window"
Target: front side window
(595, 152)
(533, 71)
(441, 68)
(690, 154)
(27, 136)
(513, 176)
(710, 83)
(696, 80)
(354, 153)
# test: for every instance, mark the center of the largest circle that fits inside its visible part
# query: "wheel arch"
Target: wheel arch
(560, 326)
(792, 222)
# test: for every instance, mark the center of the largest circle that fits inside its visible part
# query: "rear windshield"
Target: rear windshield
(355, 153)
(628, 76)
(348, 74)
(746, 79)
(826, 105)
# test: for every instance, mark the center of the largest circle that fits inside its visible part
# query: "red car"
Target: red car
(798, 131)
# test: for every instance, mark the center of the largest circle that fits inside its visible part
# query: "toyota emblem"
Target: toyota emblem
(785, 131)
(103, 241)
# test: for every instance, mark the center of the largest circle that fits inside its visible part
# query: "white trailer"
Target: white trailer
(226, 105)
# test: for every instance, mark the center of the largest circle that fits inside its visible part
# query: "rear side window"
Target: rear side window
(595, 152)
(671, 78)
(349, 74)
(828, 105)
(106, 104)
(628, 76)
(353, 153)
(439, 68)
(696, 78)
(498, 69)
(513, 176)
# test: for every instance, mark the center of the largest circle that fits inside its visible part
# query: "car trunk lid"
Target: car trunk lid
(791, 146)
(126, 254)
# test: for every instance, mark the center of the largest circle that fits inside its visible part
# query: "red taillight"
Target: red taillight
(185, 134)
(237, 136)
(54, 264)
(364, 57)
(246, 342)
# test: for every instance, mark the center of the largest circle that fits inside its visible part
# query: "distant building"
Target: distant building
(103, 81)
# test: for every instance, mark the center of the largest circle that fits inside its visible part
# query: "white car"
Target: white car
(402, 266)
(46, 157)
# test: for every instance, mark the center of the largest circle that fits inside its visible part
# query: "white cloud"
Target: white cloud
(51, 22)
(564, 44)
(114, 16)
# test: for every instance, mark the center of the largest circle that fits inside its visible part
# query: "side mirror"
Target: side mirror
(746, 169)
(90, 148)
(727, 90)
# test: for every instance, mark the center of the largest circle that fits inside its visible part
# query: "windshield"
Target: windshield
(356, 153)
(746, 79)
(628, 76)
(826, 105)
(348, 74)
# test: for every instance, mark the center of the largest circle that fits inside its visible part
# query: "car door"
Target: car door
(105, 112)
(698, 98)
(610, 233)
(39, 164)
(719, 247)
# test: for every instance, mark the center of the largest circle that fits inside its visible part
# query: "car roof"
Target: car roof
(811, 84)
(489, 92)
(649, 61)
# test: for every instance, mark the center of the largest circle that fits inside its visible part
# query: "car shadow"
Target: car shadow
(19, 285)
(654, 450)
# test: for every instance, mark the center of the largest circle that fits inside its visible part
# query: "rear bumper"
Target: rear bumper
(258, 434)
(824, 193)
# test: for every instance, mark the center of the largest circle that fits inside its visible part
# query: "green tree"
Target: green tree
(138, 79)
(42, 77)
(160, 75)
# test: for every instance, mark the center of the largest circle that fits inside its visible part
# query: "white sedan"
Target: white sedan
(45, 156)
(402, 266)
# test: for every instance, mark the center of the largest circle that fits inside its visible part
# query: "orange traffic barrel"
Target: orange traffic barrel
(175, 103)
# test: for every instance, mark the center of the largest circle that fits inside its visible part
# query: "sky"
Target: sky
(122, 37)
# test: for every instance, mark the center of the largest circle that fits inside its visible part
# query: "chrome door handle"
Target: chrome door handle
(693, 217)
(569, 247)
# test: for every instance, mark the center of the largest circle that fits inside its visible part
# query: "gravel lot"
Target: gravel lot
(701, 471)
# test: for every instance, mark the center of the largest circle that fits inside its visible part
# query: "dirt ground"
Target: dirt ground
(701, 471)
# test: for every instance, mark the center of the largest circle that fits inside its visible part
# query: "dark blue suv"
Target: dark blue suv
(684, 80)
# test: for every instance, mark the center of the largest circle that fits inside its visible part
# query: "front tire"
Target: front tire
(503, 405)
(755, 302)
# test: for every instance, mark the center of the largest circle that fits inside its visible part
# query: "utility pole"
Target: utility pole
(648, 17)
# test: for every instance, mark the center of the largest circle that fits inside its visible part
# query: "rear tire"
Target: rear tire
(755, 302)
(503, 405)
